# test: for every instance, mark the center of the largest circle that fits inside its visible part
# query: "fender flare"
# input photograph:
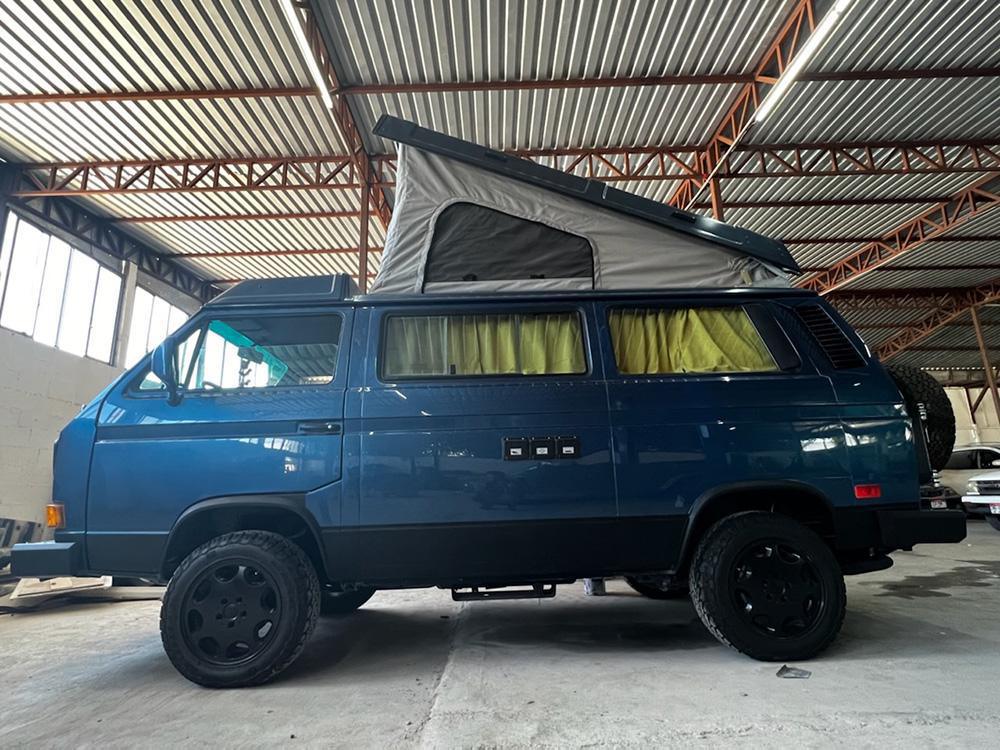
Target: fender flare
(757, 486)
(292, 503)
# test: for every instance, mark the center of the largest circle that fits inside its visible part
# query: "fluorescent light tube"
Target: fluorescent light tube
(799, 61)
(312, 63)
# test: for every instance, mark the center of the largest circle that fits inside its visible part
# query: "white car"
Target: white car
(967, 462)
(982, 497)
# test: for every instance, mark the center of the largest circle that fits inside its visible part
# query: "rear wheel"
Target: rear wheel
(238, 610)
(336, 601)
(993, 521)
(768, 587)
(658, 587)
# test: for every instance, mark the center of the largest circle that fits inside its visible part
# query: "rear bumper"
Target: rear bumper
(886, 529)
(47, 559)
(903, 529)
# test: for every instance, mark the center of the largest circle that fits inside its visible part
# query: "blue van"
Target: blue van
(296, 447)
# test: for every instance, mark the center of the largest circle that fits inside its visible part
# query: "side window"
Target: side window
(483, 344)
(257, 352)
(961, 461)
(649, 341)
(986, 459)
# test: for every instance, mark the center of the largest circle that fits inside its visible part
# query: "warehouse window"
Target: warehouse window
(56, 294)
(153, 319)
(483, 344)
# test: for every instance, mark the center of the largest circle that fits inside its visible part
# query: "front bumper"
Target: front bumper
(979, 505)
(47, 559)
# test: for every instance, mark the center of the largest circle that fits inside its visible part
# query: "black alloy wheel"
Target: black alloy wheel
(777, 589)
(239, 609)
(231, 612)
(768, 586)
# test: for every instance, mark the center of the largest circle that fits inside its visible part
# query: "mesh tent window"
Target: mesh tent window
(475, 243)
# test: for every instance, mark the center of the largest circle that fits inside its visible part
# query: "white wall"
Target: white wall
(41, 389)
(986, 428)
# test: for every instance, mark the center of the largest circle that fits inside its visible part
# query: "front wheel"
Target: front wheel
(993, 521)
(238, 610)
(768, 587)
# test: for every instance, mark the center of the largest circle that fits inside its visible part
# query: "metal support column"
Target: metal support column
(991, 381)
(363, 239)
(715, 191)
(125, 307)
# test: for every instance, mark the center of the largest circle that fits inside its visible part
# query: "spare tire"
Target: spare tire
(918, 387)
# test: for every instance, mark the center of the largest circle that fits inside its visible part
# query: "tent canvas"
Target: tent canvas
(469, 219)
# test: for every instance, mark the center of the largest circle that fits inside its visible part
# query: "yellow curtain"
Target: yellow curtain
(484, 345)
(648, 341)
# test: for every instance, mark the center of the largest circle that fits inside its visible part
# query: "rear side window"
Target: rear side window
(649, 341)
(257, 352)
(483, 344)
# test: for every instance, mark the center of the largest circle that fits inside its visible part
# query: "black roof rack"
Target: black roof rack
(753, 244)
(292, 290)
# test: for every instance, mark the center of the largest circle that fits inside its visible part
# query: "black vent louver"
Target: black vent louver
(831, 339)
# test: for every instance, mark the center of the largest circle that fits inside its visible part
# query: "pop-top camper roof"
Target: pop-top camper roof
(467, 218)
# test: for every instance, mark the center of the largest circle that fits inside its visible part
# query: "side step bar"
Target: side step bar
(474, 593)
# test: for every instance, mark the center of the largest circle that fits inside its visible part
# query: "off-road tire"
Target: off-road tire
(298, 587)
(993, 521)
(651, 591)
(333, 602)
(713, 580)
(917, 386)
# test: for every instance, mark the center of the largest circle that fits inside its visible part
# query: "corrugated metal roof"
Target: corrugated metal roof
(129, 45)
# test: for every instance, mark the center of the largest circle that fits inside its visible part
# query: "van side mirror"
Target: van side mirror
(995, 463)
(162, 366)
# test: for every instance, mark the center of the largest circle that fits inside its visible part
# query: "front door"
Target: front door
(261, 413)
(484, 445)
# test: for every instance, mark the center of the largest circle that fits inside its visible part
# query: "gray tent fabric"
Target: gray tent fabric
(626, 252)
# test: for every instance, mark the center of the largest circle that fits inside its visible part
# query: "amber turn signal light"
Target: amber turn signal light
(55, 516)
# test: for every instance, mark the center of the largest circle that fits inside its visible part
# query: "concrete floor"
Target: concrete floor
(918, 663)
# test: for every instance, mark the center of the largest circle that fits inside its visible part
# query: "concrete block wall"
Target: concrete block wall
(41, 389)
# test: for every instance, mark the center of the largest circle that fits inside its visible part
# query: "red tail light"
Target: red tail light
(867, 491)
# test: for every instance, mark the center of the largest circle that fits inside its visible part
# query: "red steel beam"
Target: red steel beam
(73, 97)
(918, 268)
(434, 87)
(862, 240)
(273, 253)
(788, 41)
(63, 97)
(178, 218)
(948, 310)
(954, 324)
(339, 172)
(971, 202)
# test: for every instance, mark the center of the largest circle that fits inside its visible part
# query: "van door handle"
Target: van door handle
(319, 428)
